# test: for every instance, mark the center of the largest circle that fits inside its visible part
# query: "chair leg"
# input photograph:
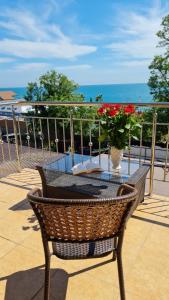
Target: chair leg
(47, 279)
(115, 249)
(121, 277)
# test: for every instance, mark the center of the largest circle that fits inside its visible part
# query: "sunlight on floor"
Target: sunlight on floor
(145, 252)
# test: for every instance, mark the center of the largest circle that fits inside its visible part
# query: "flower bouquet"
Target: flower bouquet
(119, 123)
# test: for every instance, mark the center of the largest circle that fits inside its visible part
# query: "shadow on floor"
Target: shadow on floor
(28, 284)
(32, 220)
(24, 187)
(150, 221)
(21, 205)
(34, 225)
(155, 207)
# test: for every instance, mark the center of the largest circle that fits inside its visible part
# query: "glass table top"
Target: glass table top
(65, 164)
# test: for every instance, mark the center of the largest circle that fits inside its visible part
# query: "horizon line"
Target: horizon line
(13, 87)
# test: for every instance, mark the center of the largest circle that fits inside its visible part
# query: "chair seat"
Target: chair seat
(83, 250)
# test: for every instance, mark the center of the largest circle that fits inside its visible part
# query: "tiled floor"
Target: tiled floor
(145, 253)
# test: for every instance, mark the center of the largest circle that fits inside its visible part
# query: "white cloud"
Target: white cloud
(34, 37)
(4, 60)
(74, 67)
(22, 24)
(131, 44)
(54, 7)
(28, 49)
(143, 47)
(41, 65)
(135, 63)
(31, 66)
(137, 33)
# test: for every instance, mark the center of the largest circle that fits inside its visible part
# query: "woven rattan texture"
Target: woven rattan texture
(81, 222)
(83, 250)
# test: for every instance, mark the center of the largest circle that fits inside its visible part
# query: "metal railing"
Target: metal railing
(47, 135)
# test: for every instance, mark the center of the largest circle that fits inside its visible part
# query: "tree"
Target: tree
(159, 68)
(54, 86)
(159, 79)
(58, 87)
(34, 93)
(164, 33)
(99, 98)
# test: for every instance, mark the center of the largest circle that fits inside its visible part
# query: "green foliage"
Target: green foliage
(164, 33)
(99, 98)
(159, 68)
(53, 86)
(159, 83)
(162, 117)
(159, 79)
(57, 86)
(165, 138)
(33, 92)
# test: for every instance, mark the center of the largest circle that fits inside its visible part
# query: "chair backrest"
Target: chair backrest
(83, 219)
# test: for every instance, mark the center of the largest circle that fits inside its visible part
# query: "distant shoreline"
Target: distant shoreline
(131, 92)
(97, 84)
(112, 84)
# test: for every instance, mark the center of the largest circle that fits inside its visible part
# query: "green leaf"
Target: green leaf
(121, 130)
(127, 126)
(102, 137)
(138, 125)
(135, 137)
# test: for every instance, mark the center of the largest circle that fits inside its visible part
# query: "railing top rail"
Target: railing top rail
(9, 103)
(60, 118)
(97, 104)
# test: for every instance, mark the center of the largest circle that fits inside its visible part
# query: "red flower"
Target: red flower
(129, 109)
(113, 112)
(101, 110)
(117, 106)
(114, 109)
(106, 106)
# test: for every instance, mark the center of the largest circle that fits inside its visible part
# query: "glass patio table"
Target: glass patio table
(57, 177)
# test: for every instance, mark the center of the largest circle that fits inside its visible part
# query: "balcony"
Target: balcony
(145, 252)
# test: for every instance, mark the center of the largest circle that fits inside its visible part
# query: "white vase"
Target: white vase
(116, 157)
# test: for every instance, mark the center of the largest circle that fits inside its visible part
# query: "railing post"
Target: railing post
(72, 137)
(166, 155)
(1, 143)
(153, 152)
(129, 152)
(7, 133)
(16, 140)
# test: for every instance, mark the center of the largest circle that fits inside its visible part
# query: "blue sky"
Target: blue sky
(91, 41)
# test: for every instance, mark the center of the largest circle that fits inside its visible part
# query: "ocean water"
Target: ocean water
(110, 92)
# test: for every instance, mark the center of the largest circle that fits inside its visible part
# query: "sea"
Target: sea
(136, 92)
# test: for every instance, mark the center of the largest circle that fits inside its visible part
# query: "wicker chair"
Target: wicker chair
(83, 228)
